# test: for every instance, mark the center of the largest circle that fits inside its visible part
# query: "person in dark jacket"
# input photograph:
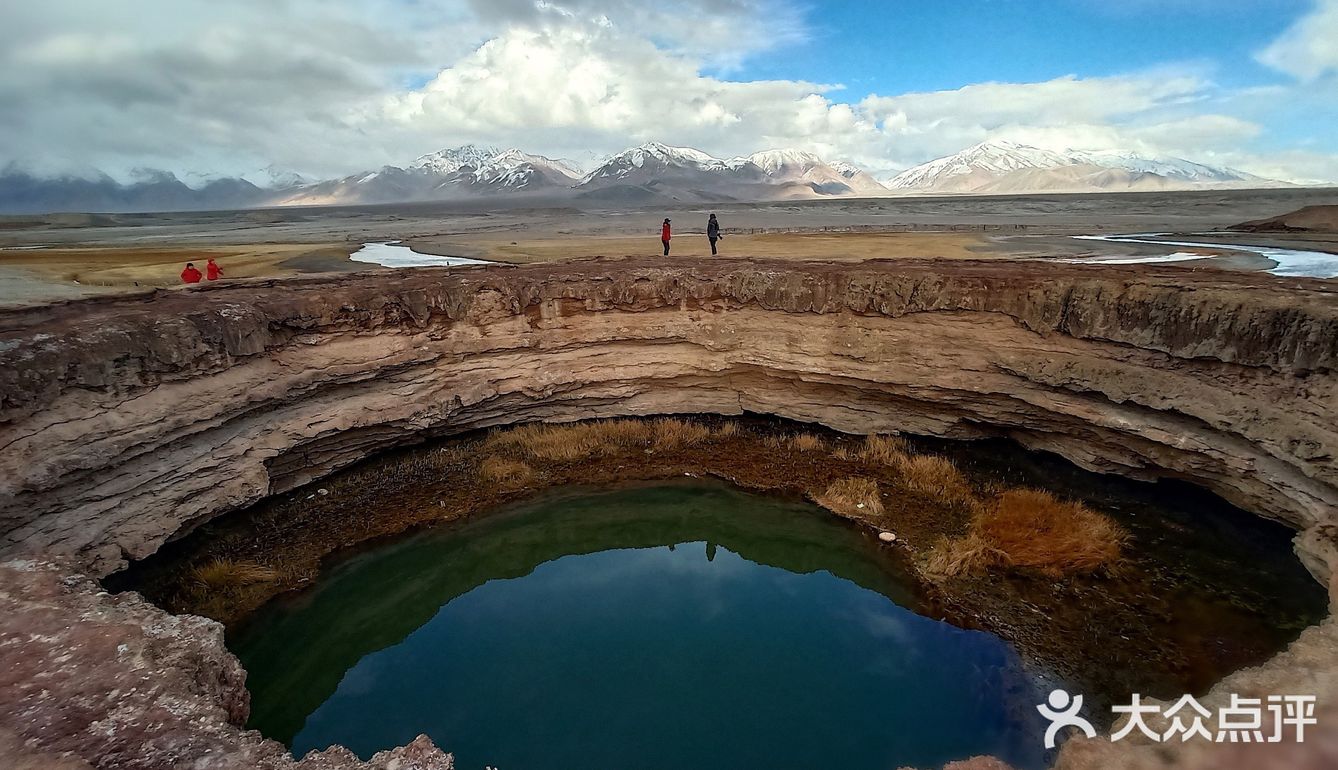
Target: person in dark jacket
(713, 232)
(664, 236)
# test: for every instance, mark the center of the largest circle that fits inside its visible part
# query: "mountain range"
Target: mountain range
(1008, 167)
(649, 173)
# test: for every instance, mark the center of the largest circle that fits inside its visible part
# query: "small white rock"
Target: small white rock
(322, 491)
(887, 537)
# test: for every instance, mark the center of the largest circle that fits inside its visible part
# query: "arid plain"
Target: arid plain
(64, 256)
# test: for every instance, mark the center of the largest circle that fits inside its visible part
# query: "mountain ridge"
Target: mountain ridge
(1011, 167)
(645, 174)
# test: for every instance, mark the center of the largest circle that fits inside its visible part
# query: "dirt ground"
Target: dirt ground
(35, 275)
(843, 247)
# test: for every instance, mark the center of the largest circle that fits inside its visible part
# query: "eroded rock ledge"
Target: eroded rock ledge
(124, 422)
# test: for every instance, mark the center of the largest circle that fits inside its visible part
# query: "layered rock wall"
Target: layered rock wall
(124, 422)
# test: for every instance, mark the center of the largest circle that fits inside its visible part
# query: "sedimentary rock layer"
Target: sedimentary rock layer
(124, 422)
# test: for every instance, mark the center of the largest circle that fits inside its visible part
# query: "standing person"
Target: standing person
(212, 271)
(664, 236)
(713, 232)
(190, 274)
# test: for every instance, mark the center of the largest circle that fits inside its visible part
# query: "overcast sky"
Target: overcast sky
(328, 88)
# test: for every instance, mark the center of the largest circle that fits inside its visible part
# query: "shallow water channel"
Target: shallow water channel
(672, 625)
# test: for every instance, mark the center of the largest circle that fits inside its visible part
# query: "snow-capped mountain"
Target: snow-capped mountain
(785, 162)
(656, 162)
(1008, 167)
(683, 173)
(858, 179)
(448, 161)
(275, 178)
(650, 172)
(443, 175)
(835, 178)
(513, 170)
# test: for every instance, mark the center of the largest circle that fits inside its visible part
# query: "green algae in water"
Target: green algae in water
(670, 626)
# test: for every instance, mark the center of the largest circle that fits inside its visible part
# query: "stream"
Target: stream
(1290, 262)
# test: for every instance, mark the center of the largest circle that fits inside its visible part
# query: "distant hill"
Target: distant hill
(1311, 219)
(1007, 167)
(23, 193)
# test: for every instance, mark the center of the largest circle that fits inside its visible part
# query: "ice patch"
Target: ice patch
(1179, 256)
(393, 254)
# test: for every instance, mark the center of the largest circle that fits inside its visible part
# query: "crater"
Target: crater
(145, 428)
(526, 602)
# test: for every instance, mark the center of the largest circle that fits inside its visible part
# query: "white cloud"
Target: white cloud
(1309, 48)
(328, 89)
(566, 88)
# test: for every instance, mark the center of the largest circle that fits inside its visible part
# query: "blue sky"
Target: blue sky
(204, 88)
(892, 46)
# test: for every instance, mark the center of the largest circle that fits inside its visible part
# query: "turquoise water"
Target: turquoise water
(674, 626)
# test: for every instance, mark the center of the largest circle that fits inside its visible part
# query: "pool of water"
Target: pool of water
(395, 254)
(667, 626)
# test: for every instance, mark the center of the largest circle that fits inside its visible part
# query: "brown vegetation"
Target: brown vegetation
(852, 496)
(848, 475)
(575, 442)
(883, 450)
(674, 433)
(807, 442)
(936, 476)
(225, 574)
(1031, 529)
(505, 472)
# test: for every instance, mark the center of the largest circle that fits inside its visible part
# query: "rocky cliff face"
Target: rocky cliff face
(126, 421)
(92, 680)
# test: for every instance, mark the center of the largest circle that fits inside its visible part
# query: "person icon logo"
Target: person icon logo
(1062, 712)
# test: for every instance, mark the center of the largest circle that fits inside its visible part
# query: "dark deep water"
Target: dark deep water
(669, 626)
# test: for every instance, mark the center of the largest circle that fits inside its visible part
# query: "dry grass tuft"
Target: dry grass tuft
(807, 442)
(601, 438)
(727, 430)
(852, 496)
(674, 433)
(1031, 529)
(843, 453)
(968, 554)
(935, 476)
(570, 443)
(224, 574)
(883, 450)
(505, 472)
(617, 433)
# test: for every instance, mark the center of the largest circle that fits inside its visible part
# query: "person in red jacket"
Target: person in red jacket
(190, 274)
(212, 271)
(664, 236)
